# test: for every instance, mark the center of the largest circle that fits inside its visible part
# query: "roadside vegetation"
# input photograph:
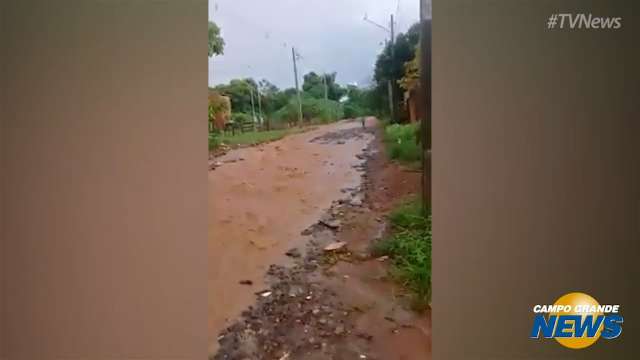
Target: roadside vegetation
(401, 142)
(409, 248)
(260, 111)
(257, 137)
(323, 100)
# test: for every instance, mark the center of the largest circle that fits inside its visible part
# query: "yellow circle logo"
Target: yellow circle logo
(577, 301)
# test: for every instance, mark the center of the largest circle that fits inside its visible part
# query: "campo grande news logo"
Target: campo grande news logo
(576, 321)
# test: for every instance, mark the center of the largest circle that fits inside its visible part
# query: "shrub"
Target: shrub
(352, 111)
(214, 141)
(241, 118)
(401, 142)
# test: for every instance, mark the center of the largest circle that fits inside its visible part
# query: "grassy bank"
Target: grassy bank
(251, 138)
(409, 247)
(254, 137)
(401, 143)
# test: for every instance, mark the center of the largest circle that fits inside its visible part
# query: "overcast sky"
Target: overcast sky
(330, 35)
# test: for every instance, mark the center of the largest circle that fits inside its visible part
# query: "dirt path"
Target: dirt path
(303, 193)
(260, 200)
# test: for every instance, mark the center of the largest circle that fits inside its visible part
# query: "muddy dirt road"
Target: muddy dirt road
(260, 200)
(291, 275)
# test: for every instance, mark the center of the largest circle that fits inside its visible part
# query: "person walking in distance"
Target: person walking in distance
(362, 121)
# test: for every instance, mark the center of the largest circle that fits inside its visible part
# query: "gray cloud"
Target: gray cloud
(331, 35)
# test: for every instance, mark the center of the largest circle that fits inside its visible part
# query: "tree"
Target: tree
(266, 87)
(410, 80)
(216, 42)
(239, 90)
(405, 50)
(312, 109)
(359, 102)
(272, 98)
(387, 68)
(314, 84)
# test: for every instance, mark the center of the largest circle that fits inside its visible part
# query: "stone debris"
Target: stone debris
(338, 245)
(294, 253)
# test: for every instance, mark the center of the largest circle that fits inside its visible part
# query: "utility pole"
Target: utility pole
(390, 94)
(253, 109)
(326, 92)
(324, 81)
(260, 107)
(392, 83)
(295, 74)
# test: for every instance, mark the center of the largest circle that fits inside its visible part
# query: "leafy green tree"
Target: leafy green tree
(411, 78)
(290, 92)
(216, 42)
(272, 98)
(313, 85)
(360, 102)
(266, 87)
(388, 68)
(239, 91)
(312, 109)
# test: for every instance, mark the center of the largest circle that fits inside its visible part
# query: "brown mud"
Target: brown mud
(337, 304)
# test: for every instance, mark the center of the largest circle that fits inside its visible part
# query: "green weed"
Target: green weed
(401, 143)
(409, 247)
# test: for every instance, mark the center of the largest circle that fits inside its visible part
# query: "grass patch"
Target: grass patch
(257, 137)
(401, 143)
(409, 247)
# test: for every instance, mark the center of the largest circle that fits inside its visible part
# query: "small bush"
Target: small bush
(352, 111)
(409, 247)
(214, 141)
(401, 142)
(241, 118)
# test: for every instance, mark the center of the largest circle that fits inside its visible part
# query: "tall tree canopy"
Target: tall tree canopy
(216, 43)
(411, 78)
(388, 68)
(313, 85)
(272, 98)
(239, 90)
(405, 50)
